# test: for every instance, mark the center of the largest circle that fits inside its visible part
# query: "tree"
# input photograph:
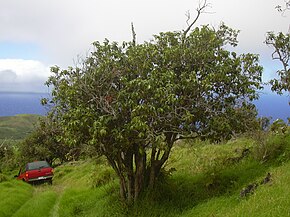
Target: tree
(44, 144)
(133, 101)
(281, 44)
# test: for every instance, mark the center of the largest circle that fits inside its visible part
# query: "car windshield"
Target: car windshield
(37, 165)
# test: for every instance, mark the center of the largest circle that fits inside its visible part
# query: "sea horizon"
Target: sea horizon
(14, 103)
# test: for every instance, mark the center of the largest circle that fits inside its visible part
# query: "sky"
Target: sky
(36, 35)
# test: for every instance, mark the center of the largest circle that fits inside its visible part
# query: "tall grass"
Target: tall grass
(13, 195)
(40, 205)
(268, 200)
(102, 201)
(207, 181)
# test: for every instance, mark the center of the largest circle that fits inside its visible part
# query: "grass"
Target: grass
(39, 205)
(89, 202)
(13, 195)
(268, 200)
(207, 182)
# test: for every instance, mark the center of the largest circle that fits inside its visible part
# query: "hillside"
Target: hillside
(207, 180)
(18, 126)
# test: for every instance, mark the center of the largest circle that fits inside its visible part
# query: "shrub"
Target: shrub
(3, 178)
(272, 147)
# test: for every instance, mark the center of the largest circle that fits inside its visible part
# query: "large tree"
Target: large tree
(132, 102)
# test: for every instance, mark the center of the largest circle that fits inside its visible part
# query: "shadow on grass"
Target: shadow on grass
(183, 192)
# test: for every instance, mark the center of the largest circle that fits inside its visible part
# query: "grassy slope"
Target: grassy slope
(205, 184)
(17, 127)
(13, 195)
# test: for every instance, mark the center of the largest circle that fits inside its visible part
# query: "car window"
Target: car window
(37, 165)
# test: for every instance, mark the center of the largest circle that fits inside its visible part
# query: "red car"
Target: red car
(36, 172)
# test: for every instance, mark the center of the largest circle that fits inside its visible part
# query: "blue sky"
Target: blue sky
(38, 34)
(19, 50)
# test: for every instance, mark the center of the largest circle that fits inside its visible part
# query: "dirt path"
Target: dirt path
(59, 190)
(54, 211)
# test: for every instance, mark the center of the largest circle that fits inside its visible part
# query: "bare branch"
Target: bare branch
(133, 34)
(187, 14)
(200, 9)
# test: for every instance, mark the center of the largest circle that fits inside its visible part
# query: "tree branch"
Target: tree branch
(133, 34)
(200, 9)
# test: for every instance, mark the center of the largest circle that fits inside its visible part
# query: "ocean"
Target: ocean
(273, 105)
(21, 103)
(269, 105)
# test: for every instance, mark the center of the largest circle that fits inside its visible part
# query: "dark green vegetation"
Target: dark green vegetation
(132, 102)
(199, 179)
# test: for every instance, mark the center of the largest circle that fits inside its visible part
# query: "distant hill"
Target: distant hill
(18, 126)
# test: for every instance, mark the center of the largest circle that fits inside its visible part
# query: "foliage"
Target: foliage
(279, 126)
(43, 144)
(3, 178)
(272, 147)
(281, 44)
(264, 123)
(8, 155)
(132, 102)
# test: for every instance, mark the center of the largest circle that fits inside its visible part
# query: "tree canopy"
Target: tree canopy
(132, 102)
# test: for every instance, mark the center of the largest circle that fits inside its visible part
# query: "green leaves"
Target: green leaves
(281, 45)
(133, 100)
(170, 84)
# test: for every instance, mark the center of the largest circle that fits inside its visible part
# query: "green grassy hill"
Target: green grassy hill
(207, 181)
(17, 127)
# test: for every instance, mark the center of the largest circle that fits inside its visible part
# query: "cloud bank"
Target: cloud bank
(18, 75)
(62, 30)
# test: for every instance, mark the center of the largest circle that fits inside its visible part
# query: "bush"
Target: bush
(272, 147)
(3, 178)
(8, 155)
(279, 126)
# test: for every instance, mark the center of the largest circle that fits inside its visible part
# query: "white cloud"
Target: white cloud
(7, 76)
(23, 75)
(64, 29)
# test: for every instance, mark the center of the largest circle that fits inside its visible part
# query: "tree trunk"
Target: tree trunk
(156, 163)
(123, 189)
(116, 167)
(130, 175)
(140, 163)
(135, 178)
